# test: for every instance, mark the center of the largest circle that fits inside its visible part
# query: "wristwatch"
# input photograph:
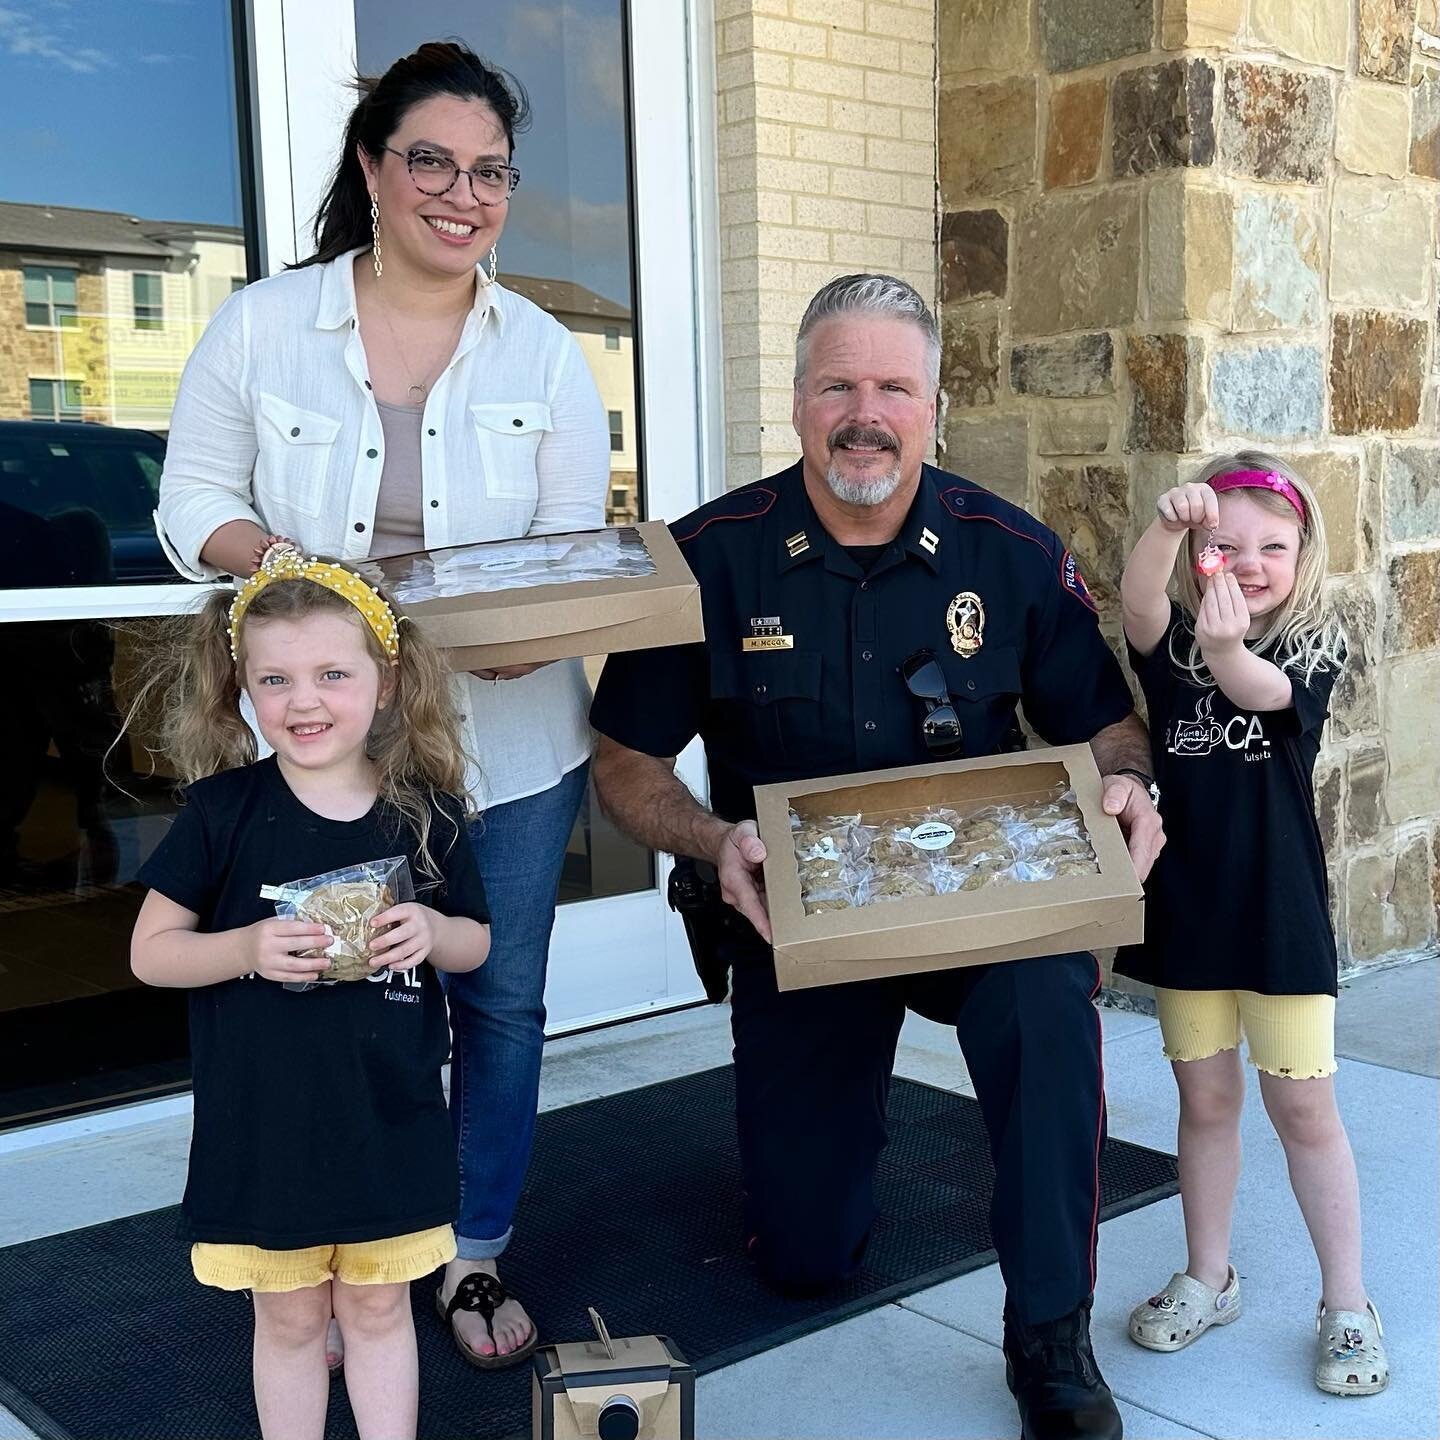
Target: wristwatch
(1148, 781)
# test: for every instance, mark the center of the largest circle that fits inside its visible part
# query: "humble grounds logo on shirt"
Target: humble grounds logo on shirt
(1204, 733)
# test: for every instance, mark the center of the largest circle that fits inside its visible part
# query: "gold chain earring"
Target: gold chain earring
(375, 232)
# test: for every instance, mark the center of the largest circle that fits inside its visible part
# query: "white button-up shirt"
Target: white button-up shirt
(275, 423)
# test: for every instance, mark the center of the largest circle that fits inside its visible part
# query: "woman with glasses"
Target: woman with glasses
(386, 395)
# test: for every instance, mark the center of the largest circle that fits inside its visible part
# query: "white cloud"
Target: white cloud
(585, 227)
(588, 48)
(21, 35)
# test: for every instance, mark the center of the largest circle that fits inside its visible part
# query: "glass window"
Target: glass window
(49, 295)
(149, 301)
(102, 299)
(54, 400)
(99, 308)
(567, 247)
(567, 243)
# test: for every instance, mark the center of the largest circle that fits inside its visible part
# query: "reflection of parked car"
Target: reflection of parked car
(88, 482)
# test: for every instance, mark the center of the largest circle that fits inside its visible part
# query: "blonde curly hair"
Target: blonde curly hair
(186, 694)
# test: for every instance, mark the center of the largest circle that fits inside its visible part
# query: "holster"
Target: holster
(711, 926)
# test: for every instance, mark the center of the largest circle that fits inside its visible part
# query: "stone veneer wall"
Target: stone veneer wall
(25, 352)
(826, 138)
(1171, 227)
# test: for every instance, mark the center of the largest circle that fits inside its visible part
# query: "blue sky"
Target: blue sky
(120, 105)
(570, 217)
(129, 105)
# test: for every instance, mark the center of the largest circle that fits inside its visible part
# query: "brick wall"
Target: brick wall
(826, 141)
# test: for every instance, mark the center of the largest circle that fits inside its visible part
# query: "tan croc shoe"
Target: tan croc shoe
(1183, 1311)
(1349, 1352)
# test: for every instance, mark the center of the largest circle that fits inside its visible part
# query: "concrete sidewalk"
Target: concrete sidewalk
(931, 1366)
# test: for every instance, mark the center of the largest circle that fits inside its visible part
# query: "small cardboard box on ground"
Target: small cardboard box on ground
(549, 597)
(1012, 920)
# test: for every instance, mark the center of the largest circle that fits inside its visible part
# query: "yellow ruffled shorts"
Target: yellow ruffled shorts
(1290, 1035)
(367, 1262)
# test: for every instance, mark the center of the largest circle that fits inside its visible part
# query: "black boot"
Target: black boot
(1051, 1371)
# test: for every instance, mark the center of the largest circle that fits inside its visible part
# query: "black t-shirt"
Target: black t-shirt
(1238, 899)
(319, 1116)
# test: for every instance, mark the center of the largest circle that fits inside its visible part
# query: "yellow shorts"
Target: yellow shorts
(367, 1262)
(1290, 1035)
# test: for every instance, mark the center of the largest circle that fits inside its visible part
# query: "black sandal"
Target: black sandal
(484, 1294)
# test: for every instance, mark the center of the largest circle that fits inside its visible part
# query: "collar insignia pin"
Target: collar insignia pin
(797, 544)
(929, 541)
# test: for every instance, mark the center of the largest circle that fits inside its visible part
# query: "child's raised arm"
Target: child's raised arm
(166, 949)
(1143, 602)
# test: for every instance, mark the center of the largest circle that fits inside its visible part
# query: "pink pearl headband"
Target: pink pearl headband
(1259, 480)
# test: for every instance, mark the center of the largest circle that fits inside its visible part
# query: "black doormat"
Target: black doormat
(632, 1205)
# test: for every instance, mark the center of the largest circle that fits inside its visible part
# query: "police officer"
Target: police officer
(864, 610)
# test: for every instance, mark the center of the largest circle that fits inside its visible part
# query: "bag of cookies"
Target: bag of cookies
(346, 902)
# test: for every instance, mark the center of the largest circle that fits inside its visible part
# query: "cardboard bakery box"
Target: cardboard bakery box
(1010, 920)
(549, 597)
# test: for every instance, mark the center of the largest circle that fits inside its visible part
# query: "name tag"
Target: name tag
(768, 642)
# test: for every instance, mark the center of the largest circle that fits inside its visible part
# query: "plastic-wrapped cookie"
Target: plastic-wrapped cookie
(1062, 847)
(820, 906)
(980, 828)
(984, 852)
(1076, 866)
(818, 872)
(900, 885)
(347, 907)
(890, 845)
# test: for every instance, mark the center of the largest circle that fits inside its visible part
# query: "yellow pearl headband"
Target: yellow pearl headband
(284, 562)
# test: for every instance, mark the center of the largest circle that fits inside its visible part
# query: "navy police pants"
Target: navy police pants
(812, 1072)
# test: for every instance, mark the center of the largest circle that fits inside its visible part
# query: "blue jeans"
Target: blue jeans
(497, 1013)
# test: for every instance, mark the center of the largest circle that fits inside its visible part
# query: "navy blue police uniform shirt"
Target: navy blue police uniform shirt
(799, 675)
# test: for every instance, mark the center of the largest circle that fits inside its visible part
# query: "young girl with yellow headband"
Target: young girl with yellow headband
(322, 1168)
(1237, 676)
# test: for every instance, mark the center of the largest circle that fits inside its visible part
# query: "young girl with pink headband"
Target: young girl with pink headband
(1237, 672)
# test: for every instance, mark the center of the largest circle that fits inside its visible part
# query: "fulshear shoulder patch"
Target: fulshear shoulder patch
(1072, 580)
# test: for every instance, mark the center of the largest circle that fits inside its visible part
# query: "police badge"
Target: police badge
(966, 621)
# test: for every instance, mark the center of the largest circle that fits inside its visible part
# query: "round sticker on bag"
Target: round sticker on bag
(932, 835)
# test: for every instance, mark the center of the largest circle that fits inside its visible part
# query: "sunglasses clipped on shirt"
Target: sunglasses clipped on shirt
(943, 733)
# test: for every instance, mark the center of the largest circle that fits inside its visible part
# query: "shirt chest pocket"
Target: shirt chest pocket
(509, 439)
(986, 690)
(295, 448)
(770, 699)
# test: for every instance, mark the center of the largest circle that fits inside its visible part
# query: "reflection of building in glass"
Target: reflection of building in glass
(99, 310)
(604, 332)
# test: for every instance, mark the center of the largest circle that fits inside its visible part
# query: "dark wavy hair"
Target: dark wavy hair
(439, 67)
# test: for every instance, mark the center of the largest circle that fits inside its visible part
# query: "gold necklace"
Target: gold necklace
(418, 390)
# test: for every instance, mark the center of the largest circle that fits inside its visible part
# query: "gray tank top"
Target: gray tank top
(399, 522)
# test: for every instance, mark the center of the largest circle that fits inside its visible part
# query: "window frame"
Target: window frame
(63, 414)
(154, 318)
(612, 332)
(616, 420)
(49, 272)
